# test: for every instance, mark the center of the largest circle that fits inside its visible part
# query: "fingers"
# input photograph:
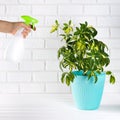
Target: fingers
(18, 25)
(26, 28)
(25, 32)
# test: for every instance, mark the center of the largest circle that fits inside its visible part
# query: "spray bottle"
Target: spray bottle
(15, 50)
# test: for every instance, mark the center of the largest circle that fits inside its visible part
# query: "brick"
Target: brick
(108, 1)
(50, 20)
(2, 77)
(115, 32)
(114, 65)
(10, 18)
(32, 66)
(103, 32)
(18, 10)
(34, 43)
(108, 21)
(44, 32)
(71, 10)
(41, 21)
(45, 54)
(52, 66)
(8, 88)
(114, 55)
(19, 77)
(114, 43)
(57, 1)
(1, 54)
(44, 10)
(8, 2)
(32, 88)
(8, 66)
(115, 9)
(45, 76)
(84, 1)
(31, 2)
(96, 10)
(2, 10)
(57, 88)
(81, 19)
(53, 43)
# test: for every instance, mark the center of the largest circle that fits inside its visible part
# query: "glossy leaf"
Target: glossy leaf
(112, 79)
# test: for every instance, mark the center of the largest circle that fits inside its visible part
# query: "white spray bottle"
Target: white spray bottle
(15, 50)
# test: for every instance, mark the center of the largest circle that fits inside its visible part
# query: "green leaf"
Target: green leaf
(62, 35)
(76, 33)
(70, 22)
(112, 79)
(61, 65)
(89, 75)
(86, 23)
(71, 76)
(108, 72)
(107, 61)
(68, 80)
(65, 24)
(54, 27)
(67, 77)
(63, 77)
(56, 21)
(93, 30)
(96, 78)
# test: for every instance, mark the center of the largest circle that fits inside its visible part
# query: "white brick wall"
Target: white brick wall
(21, 9)
(44, 10)
(15, 77)
(70, 10)
(2, 10)
(39, 71)
(96, 10)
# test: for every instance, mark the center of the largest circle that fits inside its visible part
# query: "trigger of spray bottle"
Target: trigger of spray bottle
(15, 49)
(28, 20)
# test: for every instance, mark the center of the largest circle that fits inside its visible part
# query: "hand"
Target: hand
(18, 25)
(13, 27)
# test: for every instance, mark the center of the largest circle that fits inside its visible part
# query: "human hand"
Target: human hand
(18, 25)
(13, 27)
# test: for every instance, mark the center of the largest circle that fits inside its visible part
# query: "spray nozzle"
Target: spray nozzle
(28, 20)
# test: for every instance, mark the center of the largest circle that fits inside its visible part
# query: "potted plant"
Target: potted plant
(83, 59)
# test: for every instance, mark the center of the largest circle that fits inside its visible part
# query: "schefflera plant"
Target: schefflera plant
(82, 51)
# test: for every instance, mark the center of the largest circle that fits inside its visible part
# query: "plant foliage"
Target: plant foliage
(82, 51)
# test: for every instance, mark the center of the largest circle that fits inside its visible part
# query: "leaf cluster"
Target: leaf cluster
(82, 51)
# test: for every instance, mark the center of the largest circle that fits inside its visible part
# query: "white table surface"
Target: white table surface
(55, 107)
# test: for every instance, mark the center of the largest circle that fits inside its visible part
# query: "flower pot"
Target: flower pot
(86, 93)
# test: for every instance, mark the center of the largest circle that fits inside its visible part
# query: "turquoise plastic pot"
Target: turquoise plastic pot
(87, 94)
